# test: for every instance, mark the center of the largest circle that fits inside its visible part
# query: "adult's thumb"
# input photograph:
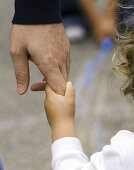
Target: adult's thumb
(21, 68)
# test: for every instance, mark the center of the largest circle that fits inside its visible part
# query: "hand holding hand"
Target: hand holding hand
(45, 45)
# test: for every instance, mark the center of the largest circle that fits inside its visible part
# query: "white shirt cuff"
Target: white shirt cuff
(66, 144)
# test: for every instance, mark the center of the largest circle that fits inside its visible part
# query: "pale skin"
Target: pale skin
(48, 47)
(60, 111)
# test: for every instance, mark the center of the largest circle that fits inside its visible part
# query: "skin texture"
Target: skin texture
(60, 111)
(45, 45)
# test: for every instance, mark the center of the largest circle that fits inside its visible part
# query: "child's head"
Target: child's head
(125, 55)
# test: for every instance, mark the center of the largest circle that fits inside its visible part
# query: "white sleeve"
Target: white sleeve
(67, 154)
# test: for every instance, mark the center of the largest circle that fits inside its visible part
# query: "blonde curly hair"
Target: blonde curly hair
(124, 60)
(124, 56)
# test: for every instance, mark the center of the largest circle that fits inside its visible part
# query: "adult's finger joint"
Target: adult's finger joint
(15, 52)
(21, 76)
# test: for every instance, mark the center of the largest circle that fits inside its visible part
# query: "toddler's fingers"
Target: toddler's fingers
(48, 90)
(70, 91)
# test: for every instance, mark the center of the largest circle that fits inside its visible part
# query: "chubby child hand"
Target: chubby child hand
(60, 111)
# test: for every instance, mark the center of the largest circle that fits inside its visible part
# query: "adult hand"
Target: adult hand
(45, 45)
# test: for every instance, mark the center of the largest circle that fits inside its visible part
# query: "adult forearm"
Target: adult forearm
(37, 12)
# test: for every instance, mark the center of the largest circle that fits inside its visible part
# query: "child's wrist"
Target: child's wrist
(62, 121)
(63, 129)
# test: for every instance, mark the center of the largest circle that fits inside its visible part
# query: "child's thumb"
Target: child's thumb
(70, 91)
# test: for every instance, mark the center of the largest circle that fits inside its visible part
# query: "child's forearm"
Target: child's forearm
(63, 129)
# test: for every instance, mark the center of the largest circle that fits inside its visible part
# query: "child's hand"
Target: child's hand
(60, 110)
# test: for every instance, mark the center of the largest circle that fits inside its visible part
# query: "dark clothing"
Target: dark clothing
(73, 15)
(70, 7)
(37, 12)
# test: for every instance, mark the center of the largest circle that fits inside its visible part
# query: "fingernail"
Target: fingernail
(21, 89)
(69, 83)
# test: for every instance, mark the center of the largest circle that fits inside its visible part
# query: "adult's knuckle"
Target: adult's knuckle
(11, 51)
(15, 52)
(20, 76)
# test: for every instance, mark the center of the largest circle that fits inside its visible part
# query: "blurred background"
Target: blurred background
(25, 139)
